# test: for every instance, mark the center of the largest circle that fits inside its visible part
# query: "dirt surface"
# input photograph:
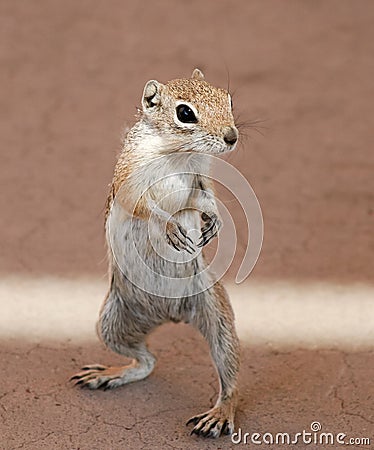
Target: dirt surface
(280, 392)
(71, 77)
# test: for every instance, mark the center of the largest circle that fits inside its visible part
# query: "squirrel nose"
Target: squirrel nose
(230, 135)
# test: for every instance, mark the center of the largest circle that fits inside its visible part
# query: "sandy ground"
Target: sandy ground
(71, 76)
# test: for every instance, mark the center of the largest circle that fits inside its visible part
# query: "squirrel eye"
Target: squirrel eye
(185, 114)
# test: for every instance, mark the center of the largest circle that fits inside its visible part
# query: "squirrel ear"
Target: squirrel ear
(151, 94)
(197, 74)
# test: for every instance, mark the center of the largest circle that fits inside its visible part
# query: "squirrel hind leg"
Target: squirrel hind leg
(215, 321)
(123, 333)
(97, 376)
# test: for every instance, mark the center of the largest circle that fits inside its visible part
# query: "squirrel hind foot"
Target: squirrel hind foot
(213, 423)
(97, 376)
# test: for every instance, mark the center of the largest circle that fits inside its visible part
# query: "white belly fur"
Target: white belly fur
(148, 261)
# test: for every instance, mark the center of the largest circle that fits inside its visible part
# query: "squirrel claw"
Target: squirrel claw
(210, 230)
(195, 419)
(174, 245)
(212, 424)
(177, 237)
(94, 367)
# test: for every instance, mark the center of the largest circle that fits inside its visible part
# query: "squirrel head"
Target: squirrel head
(190, 115)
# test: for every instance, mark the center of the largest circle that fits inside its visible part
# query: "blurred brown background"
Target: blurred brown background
(72, 74)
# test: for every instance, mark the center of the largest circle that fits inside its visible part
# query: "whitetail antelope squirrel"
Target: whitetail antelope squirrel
(157, 198)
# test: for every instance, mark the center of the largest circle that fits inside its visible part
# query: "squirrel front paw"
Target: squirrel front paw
(176, 236)
(210, 229)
